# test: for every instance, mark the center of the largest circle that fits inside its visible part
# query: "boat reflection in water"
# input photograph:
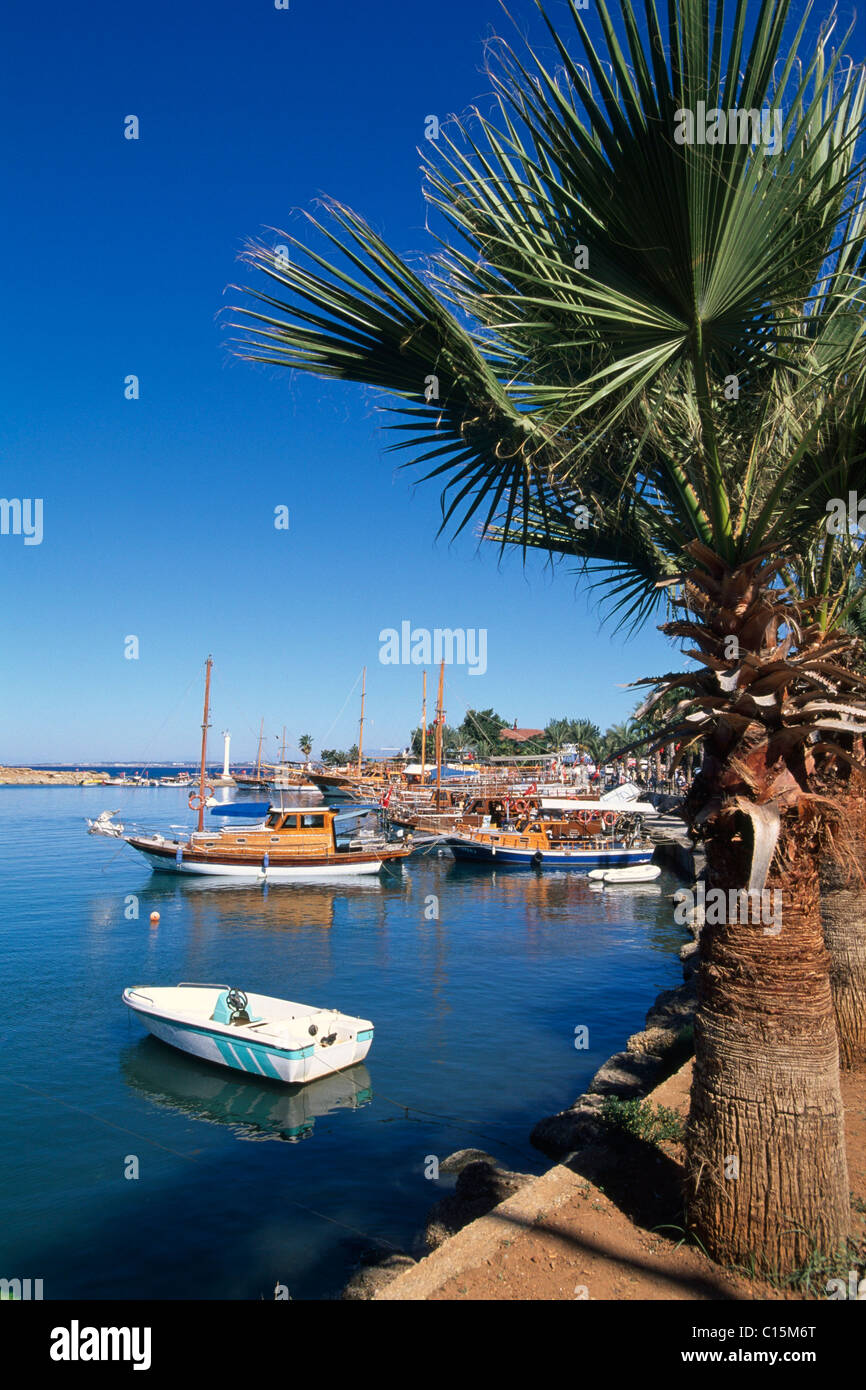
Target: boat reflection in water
(627, 890)
(250, 1109)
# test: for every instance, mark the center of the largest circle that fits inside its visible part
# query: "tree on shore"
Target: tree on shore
(640, 345)
(451, 742)
(481, 731)
(339, 757)
(334, 757)
(587, 736)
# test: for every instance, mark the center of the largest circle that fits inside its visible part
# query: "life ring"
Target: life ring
(196, 800)
(520, 805)
(584, 817)
(609, 818)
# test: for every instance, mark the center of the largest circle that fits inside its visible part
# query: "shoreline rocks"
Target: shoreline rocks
(41, 777)
(481, 1185)
(649, 1058)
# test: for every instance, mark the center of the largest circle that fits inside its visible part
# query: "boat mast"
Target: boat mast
(283, 746)
(204, 729)
(424, 731)
(259, 759)
(361, 733)
(440, 721)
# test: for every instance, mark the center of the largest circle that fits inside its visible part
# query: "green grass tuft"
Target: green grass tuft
(638, 1117)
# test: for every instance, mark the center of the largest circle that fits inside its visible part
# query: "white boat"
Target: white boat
(634, 873)
(252, 1033)
(625, 798)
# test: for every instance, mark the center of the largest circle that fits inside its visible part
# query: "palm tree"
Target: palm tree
(480, 730)
(557, 733)
(617, 739)
(619, 328)
(842, 878)
(587, 736)
(305, 743)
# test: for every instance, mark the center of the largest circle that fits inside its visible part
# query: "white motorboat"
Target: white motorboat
(634, 873)
(104, 824)
(252, 1033)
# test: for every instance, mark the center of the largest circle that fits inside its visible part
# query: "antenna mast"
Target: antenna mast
(361, 732)
(204, 728)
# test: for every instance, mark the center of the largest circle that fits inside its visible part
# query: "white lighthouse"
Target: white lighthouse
(226, 780)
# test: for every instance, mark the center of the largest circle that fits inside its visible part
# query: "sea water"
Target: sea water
(133, 1171)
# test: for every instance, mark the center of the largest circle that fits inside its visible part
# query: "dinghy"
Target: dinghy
(634, 873)
(252, 1033)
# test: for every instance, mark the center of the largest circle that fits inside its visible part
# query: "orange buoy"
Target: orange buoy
(154, 917)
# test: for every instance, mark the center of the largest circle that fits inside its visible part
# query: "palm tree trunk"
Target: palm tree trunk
(767, 1175)
(843, 916)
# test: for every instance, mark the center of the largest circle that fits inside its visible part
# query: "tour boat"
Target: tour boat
(252, 1033)
(557, 844)
(290, 843)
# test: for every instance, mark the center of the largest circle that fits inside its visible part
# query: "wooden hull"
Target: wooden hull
(280, 867)
(503, 856)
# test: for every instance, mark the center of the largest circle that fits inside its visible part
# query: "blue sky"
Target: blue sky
(158, 512)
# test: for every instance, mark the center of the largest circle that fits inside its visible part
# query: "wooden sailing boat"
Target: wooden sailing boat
(298, 842)
(293, 842)
(246, 779)
(588, 839)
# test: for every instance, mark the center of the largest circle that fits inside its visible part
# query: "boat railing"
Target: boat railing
(199, 984)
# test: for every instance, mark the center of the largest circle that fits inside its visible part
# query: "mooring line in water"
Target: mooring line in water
(456, 1121)
(100, 1119)
(356, 1230)
(188, 1158)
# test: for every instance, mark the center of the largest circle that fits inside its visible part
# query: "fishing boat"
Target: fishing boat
(614, 840)
(294, 842)
(253, 1033)
(183, 779)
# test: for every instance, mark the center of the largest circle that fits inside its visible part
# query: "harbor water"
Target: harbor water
(133, 1171)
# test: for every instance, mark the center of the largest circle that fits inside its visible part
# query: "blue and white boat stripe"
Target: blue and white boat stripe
(245, 1058)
